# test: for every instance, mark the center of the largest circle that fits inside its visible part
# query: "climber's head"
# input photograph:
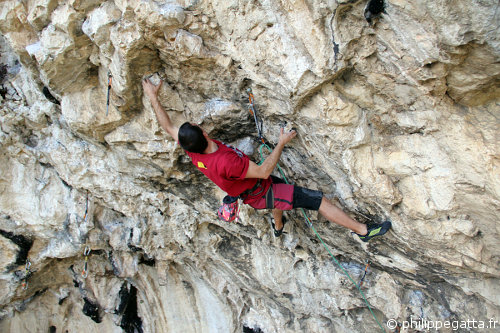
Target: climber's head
(192, 138)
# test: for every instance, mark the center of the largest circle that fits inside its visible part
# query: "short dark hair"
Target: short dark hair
(191, 138)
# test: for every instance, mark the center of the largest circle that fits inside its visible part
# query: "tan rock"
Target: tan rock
(396, 120)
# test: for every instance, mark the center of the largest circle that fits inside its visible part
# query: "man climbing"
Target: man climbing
(235, 174)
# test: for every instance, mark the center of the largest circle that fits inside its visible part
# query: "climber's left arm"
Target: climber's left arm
(163, 119)
(264, 170)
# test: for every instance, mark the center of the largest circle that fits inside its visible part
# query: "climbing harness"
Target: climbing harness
(110, 80)
(86, 253)
(364, 274)
(27, 274)
(308, 221)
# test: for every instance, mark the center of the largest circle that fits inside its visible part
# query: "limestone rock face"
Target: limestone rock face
(397, 120)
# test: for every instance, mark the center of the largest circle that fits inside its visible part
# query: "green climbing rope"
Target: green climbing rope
(321, 240)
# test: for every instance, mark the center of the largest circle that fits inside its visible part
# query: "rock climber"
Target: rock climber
(234, 172)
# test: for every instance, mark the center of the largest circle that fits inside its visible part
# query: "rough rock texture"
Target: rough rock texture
(397, 120)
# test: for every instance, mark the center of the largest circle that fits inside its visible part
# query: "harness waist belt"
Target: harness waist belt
(246, 193)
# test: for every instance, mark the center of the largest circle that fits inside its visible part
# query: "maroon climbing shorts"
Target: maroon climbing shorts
(286, 197)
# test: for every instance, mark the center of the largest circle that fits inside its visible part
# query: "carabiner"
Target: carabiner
(110, 80)
(86, 253)
(364, 275)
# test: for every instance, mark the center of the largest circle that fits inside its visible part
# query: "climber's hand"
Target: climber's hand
(150, 89)
(286, 136)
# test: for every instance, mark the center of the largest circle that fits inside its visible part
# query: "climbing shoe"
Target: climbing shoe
(375, 229)
(278, 233)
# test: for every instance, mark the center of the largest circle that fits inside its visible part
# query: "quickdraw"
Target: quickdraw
(86, 207)
(364, 274)
(27, 274)
(110, 80)
(253, 111)
(86, 253)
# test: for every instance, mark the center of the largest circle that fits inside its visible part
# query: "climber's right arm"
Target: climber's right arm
(163, 119)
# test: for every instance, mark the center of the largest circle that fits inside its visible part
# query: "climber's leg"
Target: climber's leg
(278, 218)
(365, 232)
(334, 214)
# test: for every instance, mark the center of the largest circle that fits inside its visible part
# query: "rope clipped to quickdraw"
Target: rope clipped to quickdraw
(86, 253)
(253, 111)
(364, 274)
(27, 274)
(110, 80)
(309, 223)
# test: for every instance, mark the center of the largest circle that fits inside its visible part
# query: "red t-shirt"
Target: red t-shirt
(227, 168)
